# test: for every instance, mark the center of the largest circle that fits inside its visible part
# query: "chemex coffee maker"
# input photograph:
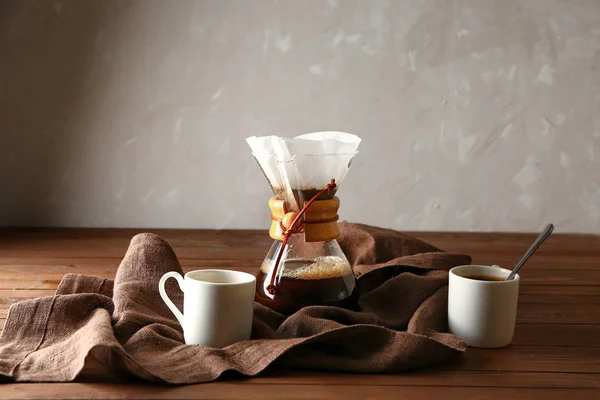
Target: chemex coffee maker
(305, 265)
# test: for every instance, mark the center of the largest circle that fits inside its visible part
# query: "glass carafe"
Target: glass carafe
(307, 267)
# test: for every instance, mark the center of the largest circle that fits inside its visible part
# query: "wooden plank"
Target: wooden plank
(492, 243)
(558, 313)
(231, 390)
(49, 276)
(244, 244)
(38, 262)
(18, 295)
(575, 243)
(428, 377)
(231, 244)
(529, 298)
(531, 358)
(434, 377)
(558, 309)
(20, 284)
(32, 262)
(554, 290)
(557, 335)
(114, 264)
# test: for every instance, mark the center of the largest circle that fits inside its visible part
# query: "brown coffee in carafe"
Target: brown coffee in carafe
(304, 282)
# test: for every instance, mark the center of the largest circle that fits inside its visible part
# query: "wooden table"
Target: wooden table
(555, 353)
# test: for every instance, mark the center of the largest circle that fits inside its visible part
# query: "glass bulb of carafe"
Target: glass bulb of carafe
(316, 273)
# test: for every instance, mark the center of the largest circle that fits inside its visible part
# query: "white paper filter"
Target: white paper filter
(305, 161)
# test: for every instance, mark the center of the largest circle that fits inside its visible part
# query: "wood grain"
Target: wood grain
(557, 335)
(227, 390)
(242, 244)
(436, 377)
(555, 351)
(531, 358)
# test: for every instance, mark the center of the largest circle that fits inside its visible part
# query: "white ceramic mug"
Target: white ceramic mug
(482, 312)
(218, 306)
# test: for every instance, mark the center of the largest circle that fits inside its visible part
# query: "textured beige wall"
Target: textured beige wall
(475, 115)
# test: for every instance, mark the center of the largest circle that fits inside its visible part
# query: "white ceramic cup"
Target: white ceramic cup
(482, 313)
(218, 306)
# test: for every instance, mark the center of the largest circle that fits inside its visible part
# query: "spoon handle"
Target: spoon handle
(540, 239)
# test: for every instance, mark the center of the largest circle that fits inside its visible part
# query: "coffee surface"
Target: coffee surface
(485, 278)
(311, 268)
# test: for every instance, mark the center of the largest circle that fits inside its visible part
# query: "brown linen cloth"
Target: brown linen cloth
(125, 328)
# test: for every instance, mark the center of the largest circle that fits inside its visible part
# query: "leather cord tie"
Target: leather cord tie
(290, 224)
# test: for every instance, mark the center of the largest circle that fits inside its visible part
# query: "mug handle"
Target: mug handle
(166, 299)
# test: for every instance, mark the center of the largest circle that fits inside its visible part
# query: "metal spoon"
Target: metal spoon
(540, 239)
